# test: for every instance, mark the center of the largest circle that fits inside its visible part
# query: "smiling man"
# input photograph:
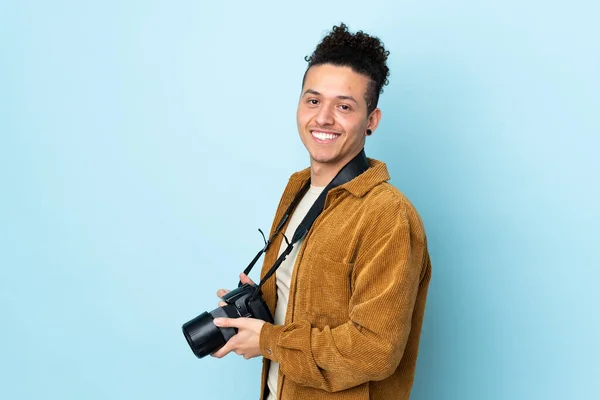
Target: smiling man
(349, 298)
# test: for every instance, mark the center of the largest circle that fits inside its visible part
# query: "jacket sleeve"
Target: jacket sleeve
(370, 345)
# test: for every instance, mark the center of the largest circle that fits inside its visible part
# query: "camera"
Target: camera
(204, 337)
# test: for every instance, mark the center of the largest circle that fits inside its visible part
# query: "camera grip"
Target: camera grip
(260, 310)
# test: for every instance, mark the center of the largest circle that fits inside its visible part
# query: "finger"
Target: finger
(222, 352)
(222, 304)
(230, 322)
(222, 292)
(245, 279)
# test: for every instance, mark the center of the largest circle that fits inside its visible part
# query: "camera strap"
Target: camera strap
(355, 167)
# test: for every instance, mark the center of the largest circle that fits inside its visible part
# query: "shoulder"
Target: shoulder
(385, 205)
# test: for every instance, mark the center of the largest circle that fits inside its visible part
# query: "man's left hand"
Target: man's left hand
(246, 342)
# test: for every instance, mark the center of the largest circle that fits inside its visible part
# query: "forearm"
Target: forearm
(332, 359)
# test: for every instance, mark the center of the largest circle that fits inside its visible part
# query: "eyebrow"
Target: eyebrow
(314, 92)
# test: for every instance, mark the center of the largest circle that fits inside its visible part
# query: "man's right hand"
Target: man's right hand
(222, 292)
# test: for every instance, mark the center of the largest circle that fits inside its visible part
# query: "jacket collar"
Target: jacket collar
(359, 186)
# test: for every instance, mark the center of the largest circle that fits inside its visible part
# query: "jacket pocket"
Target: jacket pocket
(329, 291)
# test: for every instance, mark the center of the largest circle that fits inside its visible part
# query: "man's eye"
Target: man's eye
(345, 107)
(314, 102)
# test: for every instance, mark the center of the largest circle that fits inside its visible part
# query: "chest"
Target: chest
(322, 280)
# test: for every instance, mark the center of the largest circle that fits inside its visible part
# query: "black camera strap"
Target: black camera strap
(355, 167)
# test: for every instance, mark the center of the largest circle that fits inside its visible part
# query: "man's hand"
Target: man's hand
(246, 342)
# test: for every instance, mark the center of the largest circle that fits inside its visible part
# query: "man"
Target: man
(349, 299)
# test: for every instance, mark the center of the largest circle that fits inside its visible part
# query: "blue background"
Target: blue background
(144, 142)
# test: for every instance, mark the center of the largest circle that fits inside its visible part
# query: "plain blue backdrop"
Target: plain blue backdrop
(142, 144)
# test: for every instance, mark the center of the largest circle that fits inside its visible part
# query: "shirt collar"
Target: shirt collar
(359, 186)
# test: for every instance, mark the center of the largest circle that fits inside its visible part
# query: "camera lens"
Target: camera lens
(203, 336)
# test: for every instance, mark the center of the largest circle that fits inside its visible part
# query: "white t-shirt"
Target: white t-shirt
(284, 274)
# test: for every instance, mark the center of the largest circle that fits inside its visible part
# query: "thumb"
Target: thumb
(245, 279)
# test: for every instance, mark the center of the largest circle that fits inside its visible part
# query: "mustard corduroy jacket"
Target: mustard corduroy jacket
(357, 295)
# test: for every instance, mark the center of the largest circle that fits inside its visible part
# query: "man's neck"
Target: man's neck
(323, 173)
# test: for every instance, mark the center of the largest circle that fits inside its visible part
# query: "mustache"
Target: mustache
(324, 129)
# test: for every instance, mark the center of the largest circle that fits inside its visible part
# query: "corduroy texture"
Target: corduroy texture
(357, 295)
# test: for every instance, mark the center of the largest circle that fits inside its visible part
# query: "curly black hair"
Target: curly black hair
(364, 53)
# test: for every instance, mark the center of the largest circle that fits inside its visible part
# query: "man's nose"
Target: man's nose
(325, 116)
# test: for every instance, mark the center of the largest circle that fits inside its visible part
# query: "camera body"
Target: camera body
(204, 337)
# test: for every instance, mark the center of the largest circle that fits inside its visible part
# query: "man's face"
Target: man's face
(332, 114)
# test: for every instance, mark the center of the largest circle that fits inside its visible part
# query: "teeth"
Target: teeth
(324, 136)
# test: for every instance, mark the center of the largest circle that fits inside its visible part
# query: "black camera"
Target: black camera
(204, 337)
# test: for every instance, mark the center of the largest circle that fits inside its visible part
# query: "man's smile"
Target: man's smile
(321, 136)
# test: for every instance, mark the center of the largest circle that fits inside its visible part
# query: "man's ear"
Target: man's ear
(373, 120)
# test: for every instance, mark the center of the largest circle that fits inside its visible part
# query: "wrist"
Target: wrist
(269, 335)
